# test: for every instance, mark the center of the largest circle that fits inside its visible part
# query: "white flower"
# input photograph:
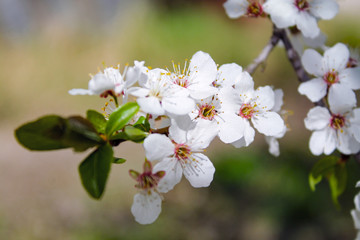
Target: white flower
(197, 77)
(272, 141)
(181, 153)
(330, 73)
(238, 8)
(147, 203)
(228, 75)
(111, 82)
(251, 105)
(158, 96)
(338, 129)
(302, 13)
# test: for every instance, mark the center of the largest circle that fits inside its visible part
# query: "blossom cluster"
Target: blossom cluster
(194, 104)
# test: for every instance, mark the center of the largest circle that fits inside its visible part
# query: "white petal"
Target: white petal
(330, 141)
(236, 8)
(273, 146)
(178, 105)
(231, 128)
(265, 98)
(324, 9)
(336, 57)
(200, 136)
(178, 133)
(100, 83)
(151, 105)
(239, 143)
(282, 13)
(341, 98)
(203, 68)
(199, 170)
(346, 142)
(157, 147)
(249, 133)
(315, 89)
(246, 83)
(173, 174)
(312, 62)
(350, 77)
(319, 140)
(356, 217)
(279, 94)
(146, 207)
(77, 91)
(307, 24)
(355, 124)
(201, 91)
(138, 91)
(268, 123)
(228, 74)
(317, 118)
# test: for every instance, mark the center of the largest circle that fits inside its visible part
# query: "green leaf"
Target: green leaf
(135, 134)
(314, 181)
(323, 168)
(143, 124)
(120, 117)
(97, 119)
(54, 132)
(119, 160)
(94, 170)
(337, 182)
(43, 134)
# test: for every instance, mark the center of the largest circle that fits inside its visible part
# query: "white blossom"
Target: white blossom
(331, 73)
(302, 13)
(238, 8)
(181, 153)
(146, 206)
(355, 213)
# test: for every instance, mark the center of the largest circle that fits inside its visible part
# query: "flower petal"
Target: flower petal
(228, 75)
(146, 207)
(317, 118)
(312, 62)
(151, 105)
(341, 99)
(315, 89)
(236, 8)
(273, 146)
(78, 91)
(307, 24)
(350, 77)
(268, 123)
(336, 57)
(324, 9)
(173, 174)
(178, 105)
(231, 128)
(199, 170)
(265, 98)
(203, 69)
(157, 147)
(355, 124)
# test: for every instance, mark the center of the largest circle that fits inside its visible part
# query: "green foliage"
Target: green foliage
(119, 118)
(143, 124)
(97, 119)
(334, 171)
(94, 170)
(135, 134)
(54, 132)
(119, 160)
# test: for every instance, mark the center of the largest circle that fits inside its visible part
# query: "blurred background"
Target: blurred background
(49, 47)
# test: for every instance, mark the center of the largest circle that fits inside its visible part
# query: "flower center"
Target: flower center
(302, 5)
(246, 111)
(331, 77)
(255, 9)
(352, 63)
(182, 152)
(182, 82)
(207, 111)
(337, 121)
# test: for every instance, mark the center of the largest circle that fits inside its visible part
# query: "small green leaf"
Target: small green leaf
(337, 182)
(143, 124)
(97, 119)
(120, 117)
(135, 134)
(94, 170)
(314, 181)
(119, 160)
